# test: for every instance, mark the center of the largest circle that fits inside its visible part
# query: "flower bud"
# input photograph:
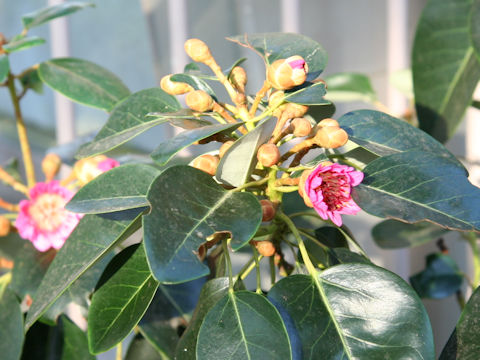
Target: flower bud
(301, 127)
(207, 163)
(293, 110)
(276, 100)
(225, 146)
(87, 169)
(197, 50)
(268, 210)
(238, 77)
(265, 248)
(268, 154)
(199, 100)
(328, 122)
(174, 87)
(284, 74)
(331, 137)
(301, 187)
(4, 226)
(50, 165)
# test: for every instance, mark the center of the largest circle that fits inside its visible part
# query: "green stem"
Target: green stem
(118, 355)
(306, 213)
(273, 270)
(472, 240)
(4, 281)
(286, 189)
(228, 263)
(257, 268)
(250, 184)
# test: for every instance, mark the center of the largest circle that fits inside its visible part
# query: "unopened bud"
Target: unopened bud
(51, 165)
(328, 122)
(239, 78)
(301, 187)
(276, 100)
(207, 163)
(225, 146)
(301, 127)
(4, 226)
(293, 110)
(284, 74)
(268, 154)
(197, 50)
(174, 87)
(268, 210)
(87, 169)
(331, 137)
(265, 248)
(199, 100)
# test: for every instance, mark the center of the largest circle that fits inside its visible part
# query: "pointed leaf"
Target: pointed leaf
(84, 82)
(187, 207)
(49, 13)
(349, 86)
(355, 311)
(11, 331)
(237, 164)
(308, 94)
(195, 82)
(75, 346)
(4, 67)
(183, 118)
(120, 303)
(166, 150)
(274, 46)
(445, 67)
(128, 120)
(121, 188)
(243, 325)
(426, 187)
(93, 237)
(393, 234)
(140, 349)
(23, 44)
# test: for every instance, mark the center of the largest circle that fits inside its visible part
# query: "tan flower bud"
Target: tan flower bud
(239, 78)
(331, 137)
(268, 154)
(284, 74)
(197, 50)
(207, 163)
(276, 100)
(301, 187)
(225, 146)
(50, 165)
(199, 100)
(4, 226)
(268, 210)
(301, 127)
(174, 87)
(328, 122)
(293, 110)
(265, 248)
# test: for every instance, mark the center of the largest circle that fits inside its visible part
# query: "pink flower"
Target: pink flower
(328, 190)
(43, 219)
(89, 168)
(107, 164)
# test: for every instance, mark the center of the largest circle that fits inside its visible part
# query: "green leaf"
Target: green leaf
(212, 292)
(393, 234)
(445, 67)
(42, 342)
(11, 245)
(183, 118)
(140, 349)
(4, 67)
(75, 346)
(321, 112)
(195, 82)
(331, 236)
(463, 344)
(84, 82)
(474, 27)
(441, 278)
(349, 86)
(12, 167)
(11, 331)
(31, 80)
(243, 325)
(128, 120)
(354, 311)
(426, 187)
(274, 46)
(237, 164)
(23, 44)
(166, 150)
(308, 94)
(120, 303)
(121, 188)
(187, 207)
(49, 13)
(383, 134)
(92, 239)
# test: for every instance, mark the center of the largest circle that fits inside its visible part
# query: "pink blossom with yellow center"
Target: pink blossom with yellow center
(329, 188)
(43, 219)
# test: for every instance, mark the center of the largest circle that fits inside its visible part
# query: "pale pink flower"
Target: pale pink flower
(89, 168)
(328, 188)
(43, 220)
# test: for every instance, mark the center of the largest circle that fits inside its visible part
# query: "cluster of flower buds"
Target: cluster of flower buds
(330, 135)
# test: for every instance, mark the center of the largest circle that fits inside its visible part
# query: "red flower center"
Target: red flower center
(334, 188)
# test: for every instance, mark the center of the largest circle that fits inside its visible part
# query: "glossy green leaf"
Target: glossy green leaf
(274, 46)
(141, 349)
(11, 245)
(187, 207)
(321, 112)
(167, 150)
(4, 67)
(354, 311)
(331, 236)
(393, 234)
(121, 188)
(42, 342)
(464, 344)
(383, 134)
(120, 303)
(415, 186)
(75, 346)
(11, 330)
(83, 82)
(445, 67)
(243, 325)
(212, 292)
(92, 239)
(51, 12)
(349, 86)
(128, 120)
(441, 277)
(237, 164)
(474, 27)
(23, 44)
(308, 94)
(195, 82)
